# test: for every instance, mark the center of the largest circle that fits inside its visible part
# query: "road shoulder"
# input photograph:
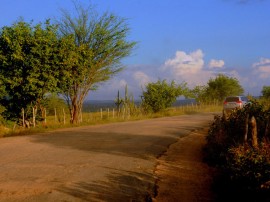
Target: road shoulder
(182, 174)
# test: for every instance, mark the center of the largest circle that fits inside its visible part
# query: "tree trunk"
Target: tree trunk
(75, 114)
(75, 104)
(55, 115)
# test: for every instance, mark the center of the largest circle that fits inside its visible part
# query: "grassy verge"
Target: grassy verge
(105, 117)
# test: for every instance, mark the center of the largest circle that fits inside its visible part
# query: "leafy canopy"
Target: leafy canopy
(266, 92)
(161, 95)
(221, 87)
(28, 64)
(94, 47)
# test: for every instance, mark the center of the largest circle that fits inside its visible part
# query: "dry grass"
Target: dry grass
(95, 118)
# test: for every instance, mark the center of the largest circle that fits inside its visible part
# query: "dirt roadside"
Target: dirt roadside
(182, 174)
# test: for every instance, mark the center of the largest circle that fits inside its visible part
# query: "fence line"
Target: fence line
(125, 113)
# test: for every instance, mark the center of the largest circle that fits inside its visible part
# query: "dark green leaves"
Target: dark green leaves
(28, 64)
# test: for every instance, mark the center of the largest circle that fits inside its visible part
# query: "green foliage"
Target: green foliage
(266, 92)
(28, 64)
(52, 102)
(95, 45)
(246, 167)
(161, 95)
(216, 89)
(249, 167)
(221, 87)
(229, 132)
(2, 109)
(199, 93)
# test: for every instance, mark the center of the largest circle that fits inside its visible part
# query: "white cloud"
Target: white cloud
(262, 68)
(188, 68)
(216, 63)
(185, 67)
(184, 63)
(263, 61)
(141, 78)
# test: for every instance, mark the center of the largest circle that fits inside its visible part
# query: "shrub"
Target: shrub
(161, 95)
(247, 168)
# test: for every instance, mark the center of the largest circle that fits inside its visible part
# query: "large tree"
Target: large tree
(28, 64)
(95, 47)
(221, 87)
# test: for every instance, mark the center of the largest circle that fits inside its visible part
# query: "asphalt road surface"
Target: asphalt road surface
(113, 162)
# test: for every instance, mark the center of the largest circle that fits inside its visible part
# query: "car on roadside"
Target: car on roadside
(233, 102)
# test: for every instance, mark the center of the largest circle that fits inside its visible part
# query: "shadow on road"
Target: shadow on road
(120, 186)
(130, 145)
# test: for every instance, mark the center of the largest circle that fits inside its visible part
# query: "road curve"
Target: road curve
(112, 162)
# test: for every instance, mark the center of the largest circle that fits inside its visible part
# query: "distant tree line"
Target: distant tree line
(160, 95)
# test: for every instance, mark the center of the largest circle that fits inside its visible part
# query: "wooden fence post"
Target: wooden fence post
(55, 117)
(246, 129)
(34, 116)
(254, 132)
(101, 115)
(45, 116)
(64, 114)
(23, 121)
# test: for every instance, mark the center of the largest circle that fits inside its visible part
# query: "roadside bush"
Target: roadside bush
(250, 167)
(247, 168)
(216, 148)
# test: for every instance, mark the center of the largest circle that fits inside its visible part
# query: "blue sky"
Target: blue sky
(183, 40)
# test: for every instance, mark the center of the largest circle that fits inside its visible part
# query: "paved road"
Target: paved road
(113, 162)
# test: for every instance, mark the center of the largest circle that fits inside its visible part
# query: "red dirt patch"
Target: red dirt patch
(182, 174)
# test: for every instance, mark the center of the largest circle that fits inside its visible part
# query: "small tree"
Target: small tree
(198, 93)
(95, 46)
(161, 95)
(221, 87)
(266, 92)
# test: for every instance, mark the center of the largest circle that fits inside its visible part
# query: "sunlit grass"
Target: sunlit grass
(104, 116)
